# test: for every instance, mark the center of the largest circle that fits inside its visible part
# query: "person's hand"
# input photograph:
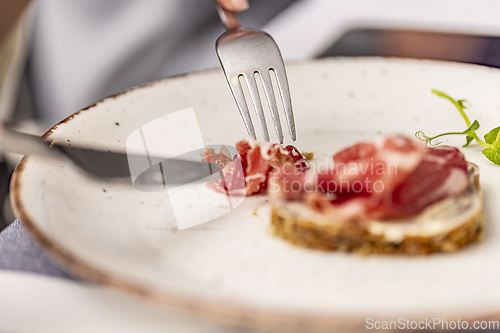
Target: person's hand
(234, 5)
(10, 12)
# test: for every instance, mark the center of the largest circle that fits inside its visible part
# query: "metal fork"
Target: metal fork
(249, 53)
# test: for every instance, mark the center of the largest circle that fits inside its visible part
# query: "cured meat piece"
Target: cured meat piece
(253, 165)
(391, 177)
(233, 180)
(222, 159)
(358, 151)
(366, 168)
(298, 159)
(442, 173)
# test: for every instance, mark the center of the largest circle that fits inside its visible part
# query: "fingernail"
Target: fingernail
(240, 4)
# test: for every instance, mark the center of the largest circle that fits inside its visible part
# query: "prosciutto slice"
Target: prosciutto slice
(248, 172)
(390, 177)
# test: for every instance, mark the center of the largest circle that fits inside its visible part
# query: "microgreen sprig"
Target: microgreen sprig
(491, 141)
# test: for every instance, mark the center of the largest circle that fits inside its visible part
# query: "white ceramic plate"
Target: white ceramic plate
(93, 308)
(231, 268)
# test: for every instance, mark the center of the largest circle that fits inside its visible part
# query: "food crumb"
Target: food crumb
(54, 142)
(255, 211)
(308, 155)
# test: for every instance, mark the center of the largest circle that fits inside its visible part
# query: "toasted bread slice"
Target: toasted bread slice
(442, 227)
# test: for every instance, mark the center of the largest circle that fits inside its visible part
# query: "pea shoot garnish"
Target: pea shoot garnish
(491, 142)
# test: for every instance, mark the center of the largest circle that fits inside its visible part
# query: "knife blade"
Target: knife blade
(161, 173)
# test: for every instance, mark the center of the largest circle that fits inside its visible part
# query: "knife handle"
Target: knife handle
(12, 141)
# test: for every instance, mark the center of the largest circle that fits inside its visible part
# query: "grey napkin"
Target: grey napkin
(19, 252)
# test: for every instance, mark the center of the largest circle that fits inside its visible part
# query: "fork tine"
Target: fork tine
(254, 93)
(285, 97)
(239, 97)
(271, 100)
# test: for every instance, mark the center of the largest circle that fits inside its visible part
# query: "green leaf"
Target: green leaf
(493, 154)
(491, 136)
(472, 128)
(469, 139)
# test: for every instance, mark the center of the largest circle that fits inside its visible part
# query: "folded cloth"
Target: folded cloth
(19, 252)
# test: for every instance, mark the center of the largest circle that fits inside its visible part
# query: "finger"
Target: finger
(234, 5)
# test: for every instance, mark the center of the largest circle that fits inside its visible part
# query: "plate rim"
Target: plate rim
(223, 312)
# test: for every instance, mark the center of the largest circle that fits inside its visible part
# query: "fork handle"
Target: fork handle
(228, 18)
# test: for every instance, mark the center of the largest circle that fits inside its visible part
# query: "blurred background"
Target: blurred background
(58, 56)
